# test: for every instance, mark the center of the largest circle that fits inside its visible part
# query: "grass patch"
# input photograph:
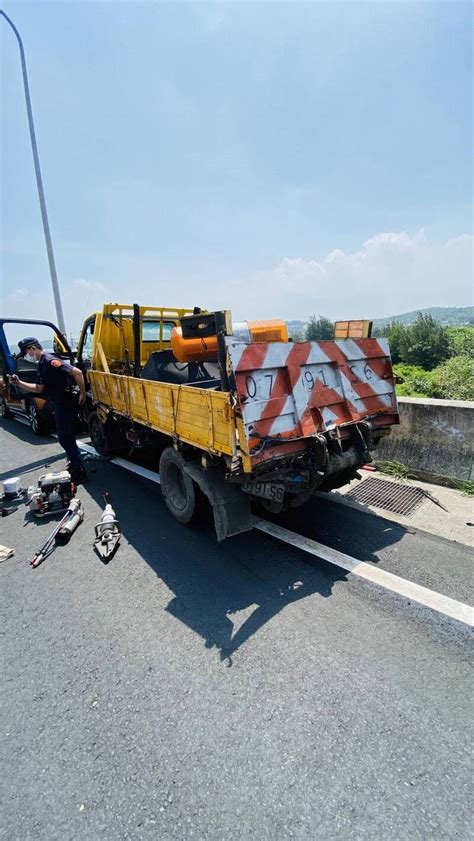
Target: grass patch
(466, 488)
(396, 469)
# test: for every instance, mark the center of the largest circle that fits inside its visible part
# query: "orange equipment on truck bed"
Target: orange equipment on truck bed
(197, 349)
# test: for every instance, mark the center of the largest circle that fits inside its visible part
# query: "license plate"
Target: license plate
(268, 490)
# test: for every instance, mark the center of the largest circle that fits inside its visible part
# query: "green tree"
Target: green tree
(297, 335)
(461, 340)
(427, 343)
(396, 334)
(319, 328)
(454, 380)
(416, 381)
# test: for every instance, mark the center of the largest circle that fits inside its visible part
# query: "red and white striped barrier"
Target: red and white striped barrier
(295, 390)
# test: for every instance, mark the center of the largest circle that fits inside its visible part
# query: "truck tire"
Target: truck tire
(98, 435)
(176, 486)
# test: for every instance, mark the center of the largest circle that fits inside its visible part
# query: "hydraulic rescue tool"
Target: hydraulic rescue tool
(66, 531)
(108, 531)
(73, 508)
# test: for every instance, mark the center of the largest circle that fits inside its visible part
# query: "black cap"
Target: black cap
(26, 343)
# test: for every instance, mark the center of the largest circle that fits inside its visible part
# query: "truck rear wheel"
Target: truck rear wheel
(176, 486)
(98, 434)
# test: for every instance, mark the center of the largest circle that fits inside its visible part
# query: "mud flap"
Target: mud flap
(230, 506)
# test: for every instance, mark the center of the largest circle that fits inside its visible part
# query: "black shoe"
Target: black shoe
(79, 477)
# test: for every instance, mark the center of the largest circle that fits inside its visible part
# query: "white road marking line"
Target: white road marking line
(408, 589)
(136, 468)
(121, 462)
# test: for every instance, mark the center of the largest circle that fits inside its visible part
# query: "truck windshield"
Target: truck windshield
(151, 331)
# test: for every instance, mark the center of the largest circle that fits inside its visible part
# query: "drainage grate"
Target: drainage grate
(401, 499)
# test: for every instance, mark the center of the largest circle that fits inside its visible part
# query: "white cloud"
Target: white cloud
(389, 274)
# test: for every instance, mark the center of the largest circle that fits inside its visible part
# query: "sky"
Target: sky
(275, 159)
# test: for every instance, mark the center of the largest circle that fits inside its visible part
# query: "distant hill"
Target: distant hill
(448, 316)
(296, 326)
(46, 344)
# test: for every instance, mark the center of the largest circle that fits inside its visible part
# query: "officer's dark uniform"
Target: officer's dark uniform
(55, 374)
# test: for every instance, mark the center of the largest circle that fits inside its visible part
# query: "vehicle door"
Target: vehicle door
(85, 350)
(11, 331)
(9, 395)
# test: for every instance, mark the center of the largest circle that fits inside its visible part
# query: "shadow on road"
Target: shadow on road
(23, 432)
(227, 592)
(43, 465)
(356, 530)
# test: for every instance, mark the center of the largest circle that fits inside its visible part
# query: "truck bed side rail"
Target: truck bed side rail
(194, 416)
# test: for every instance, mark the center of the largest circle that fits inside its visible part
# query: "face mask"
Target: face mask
(31, 357)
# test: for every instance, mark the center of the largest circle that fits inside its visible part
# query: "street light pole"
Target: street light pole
(39, 181)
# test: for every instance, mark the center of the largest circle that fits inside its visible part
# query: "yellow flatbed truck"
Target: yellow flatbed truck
(237, 410)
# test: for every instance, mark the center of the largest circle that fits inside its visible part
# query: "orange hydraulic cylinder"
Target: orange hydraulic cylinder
(192, 350)
(198, 349)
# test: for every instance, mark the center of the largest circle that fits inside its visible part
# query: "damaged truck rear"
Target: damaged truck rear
(237, 412)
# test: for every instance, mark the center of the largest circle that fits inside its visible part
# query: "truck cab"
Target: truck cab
(129, 334)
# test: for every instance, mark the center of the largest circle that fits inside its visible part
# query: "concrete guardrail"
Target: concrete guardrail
(435, 439)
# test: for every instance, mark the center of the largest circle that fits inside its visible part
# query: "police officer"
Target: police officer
(56, 380)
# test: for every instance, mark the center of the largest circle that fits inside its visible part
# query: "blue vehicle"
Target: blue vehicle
(13, 400)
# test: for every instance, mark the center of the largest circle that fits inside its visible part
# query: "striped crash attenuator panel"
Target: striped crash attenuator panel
(295, 390)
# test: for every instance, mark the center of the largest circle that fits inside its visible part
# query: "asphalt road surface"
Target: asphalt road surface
(241, 690)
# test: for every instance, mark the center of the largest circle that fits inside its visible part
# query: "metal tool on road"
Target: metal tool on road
(108, 531)
(66, 531)
(52, 494)
(6, 511)
(46, 548)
